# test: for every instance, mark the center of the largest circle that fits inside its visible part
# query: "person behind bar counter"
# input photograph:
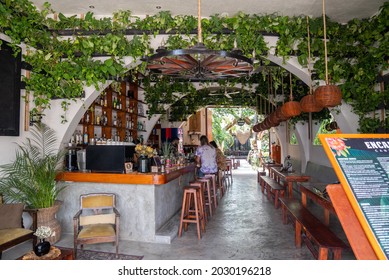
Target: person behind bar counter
(205, 158)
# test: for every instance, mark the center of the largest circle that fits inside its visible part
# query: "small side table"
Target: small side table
(54, 254)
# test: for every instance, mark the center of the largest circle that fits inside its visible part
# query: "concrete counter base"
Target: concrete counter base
(143, 208)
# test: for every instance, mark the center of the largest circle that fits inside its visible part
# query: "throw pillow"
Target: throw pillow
(11, 215)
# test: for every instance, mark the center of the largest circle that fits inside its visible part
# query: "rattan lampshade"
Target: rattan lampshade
(308, 104)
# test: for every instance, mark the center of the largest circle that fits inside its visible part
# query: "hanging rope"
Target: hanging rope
(309, 57)
(325, 40)
(199, 34)
(290, 85)
(282, 87)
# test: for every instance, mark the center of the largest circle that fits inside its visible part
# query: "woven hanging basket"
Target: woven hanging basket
(274, 119)
(262, 126)
(256, 128)
(308, 104)
(280, 115)
(291, 109)
(267, 123)
(328, 96)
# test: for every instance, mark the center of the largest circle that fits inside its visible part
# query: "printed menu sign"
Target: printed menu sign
(361, 162)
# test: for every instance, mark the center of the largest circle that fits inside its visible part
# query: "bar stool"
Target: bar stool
(208, 198)
(214, 187)
(229, 170)
(192, 210)
(221, 182)
(201, 185)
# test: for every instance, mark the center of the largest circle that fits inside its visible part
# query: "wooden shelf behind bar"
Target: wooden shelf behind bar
(134, 178)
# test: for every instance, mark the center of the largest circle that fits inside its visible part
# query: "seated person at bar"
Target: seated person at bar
(205, 157)
(220, 158)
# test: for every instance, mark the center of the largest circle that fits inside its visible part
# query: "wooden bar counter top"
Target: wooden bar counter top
(130, 178)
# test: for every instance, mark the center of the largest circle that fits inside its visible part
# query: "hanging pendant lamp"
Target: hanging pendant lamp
(308, 103)
(199, 63)
(291, 108)
(278, 111)
(327, 95)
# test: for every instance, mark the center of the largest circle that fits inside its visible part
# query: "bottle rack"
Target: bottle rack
(114, 114)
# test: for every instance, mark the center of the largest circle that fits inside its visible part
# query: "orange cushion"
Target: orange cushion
(11, 215)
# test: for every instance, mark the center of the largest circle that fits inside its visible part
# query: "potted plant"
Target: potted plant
(31, 177)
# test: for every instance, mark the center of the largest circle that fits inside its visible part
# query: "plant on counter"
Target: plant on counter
(166, 149)
(144, 150)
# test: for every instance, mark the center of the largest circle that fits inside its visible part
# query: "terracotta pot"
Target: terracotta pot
(328, 96)
(308, 104)
(291, 109)
(46, 217)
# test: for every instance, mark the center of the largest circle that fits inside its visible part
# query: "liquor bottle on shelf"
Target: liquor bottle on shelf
(86, 136)
(114, 103)
(87, 118)
(115, 122)
(102, 99)
(98, 120)
(105, 100)
(72, 140)
(104, 119)
(78, 137)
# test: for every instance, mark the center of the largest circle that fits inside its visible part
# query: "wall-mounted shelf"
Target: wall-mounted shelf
(120, 111)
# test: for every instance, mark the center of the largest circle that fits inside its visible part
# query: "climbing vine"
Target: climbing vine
(64, 51)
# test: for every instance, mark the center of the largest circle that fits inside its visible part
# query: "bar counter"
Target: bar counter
(130, 178)
(146, 201)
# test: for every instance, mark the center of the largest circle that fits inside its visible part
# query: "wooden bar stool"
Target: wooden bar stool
(214, 187)
(201, 185)
(221, 182)
(192, 210)
(208, 197)
(229, 170)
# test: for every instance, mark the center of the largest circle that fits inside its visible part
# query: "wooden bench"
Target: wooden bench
(272, 189)
(311, 230)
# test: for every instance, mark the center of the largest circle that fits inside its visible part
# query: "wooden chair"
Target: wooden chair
(12, 231)
(97, 221)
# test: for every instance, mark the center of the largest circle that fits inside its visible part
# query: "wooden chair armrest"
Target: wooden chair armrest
(77, 216)
(117, 214)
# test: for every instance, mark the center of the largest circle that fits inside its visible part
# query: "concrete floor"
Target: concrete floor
(246, 226)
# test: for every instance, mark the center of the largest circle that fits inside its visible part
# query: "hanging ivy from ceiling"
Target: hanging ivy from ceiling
(63, 65)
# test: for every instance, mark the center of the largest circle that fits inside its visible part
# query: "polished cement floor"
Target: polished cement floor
(246, 226)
